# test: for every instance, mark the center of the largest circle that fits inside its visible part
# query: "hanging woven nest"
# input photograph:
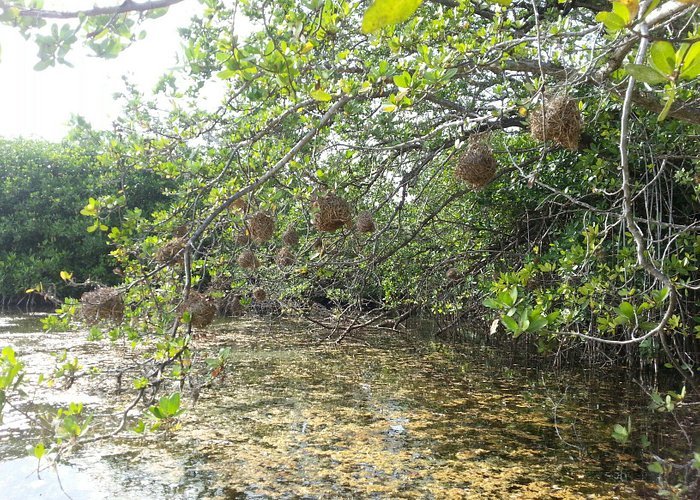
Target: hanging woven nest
(248, 260)
(102, 304)
(180, 231)
(290, 237)
(453, 274)
(558, 120)
(333, 213)
(201, 308)
(259, 294)
(365, 222)
(262, 227)
(239, 204)
(285, 257)
(476, 166)
(171, 252)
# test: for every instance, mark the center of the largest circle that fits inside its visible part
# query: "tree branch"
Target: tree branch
(125, 7)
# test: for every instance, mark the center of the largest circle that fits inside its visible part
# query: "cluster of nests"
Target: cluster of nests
(333, 213)
(558, 119)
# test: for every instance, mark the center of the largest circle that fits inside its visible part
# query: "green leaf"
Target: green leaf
(690, 59)
(403, 80)
(655, 467)
(627, 310)
(670, 98)
(611, 21)
(385, 12)
(511, 324)
(620, 434)
(622, 11)
(645, 74)
(663, 57)
(42, 65)
(537, 324)
(492, 303)
(321, 95)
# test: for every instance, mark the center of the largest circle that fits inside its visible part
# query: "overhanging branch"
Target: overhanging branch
(123, 8)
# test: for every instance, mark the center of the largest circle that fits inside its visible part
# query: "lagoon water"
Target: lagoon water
(384, 415)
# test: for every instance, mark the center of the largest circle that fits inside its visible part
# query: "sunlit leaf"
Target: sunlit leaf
(611, 21)
(690, 60)
(663, 57)
(321, 95)
(385, 12)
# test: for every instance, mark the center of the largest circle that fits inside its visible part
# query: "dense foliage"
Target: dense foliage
(583, 246)
(43, 188)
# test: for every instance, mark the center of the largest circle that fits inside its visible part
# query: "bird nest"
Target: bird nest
(239, 204)
(201, 308)
(558, 120)
(259, 294)
(453, 274)
(248, 260)
(476, 166)
(171, 252)
(290, 237)
(285, 257)
(333, 213)
(365, 222)
(261, 226)
(102, 304)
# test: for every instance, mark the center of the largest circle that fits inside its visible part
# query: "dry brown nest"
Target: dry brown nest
(248, 260)
(285, 257)
(259, 294)
(171, 252)
(201, 308)
(476, 166)
(365, 222)
(333, 213)
(180, 231)
(453, 274)
(290, 237)
(262, 227)
(558, 120)
(102, 304)
(239, 204)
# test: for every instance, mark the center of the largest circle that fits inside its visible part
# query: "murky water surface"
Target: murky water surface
(384, 416)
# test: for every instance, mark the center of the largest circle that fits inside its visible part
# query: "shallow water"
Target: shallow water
(385, 416)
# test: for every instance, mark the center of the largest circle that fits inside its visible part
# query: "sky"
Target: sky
(38, 104)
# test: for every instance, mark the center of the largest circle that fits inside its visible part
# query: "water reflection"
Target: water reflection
(382, 417)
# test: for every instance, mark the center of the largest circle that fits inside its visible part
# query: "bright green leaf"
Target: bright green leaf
(321, 95)
(611, 21)
(385, 12)
(511, 324)
(663, 57)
